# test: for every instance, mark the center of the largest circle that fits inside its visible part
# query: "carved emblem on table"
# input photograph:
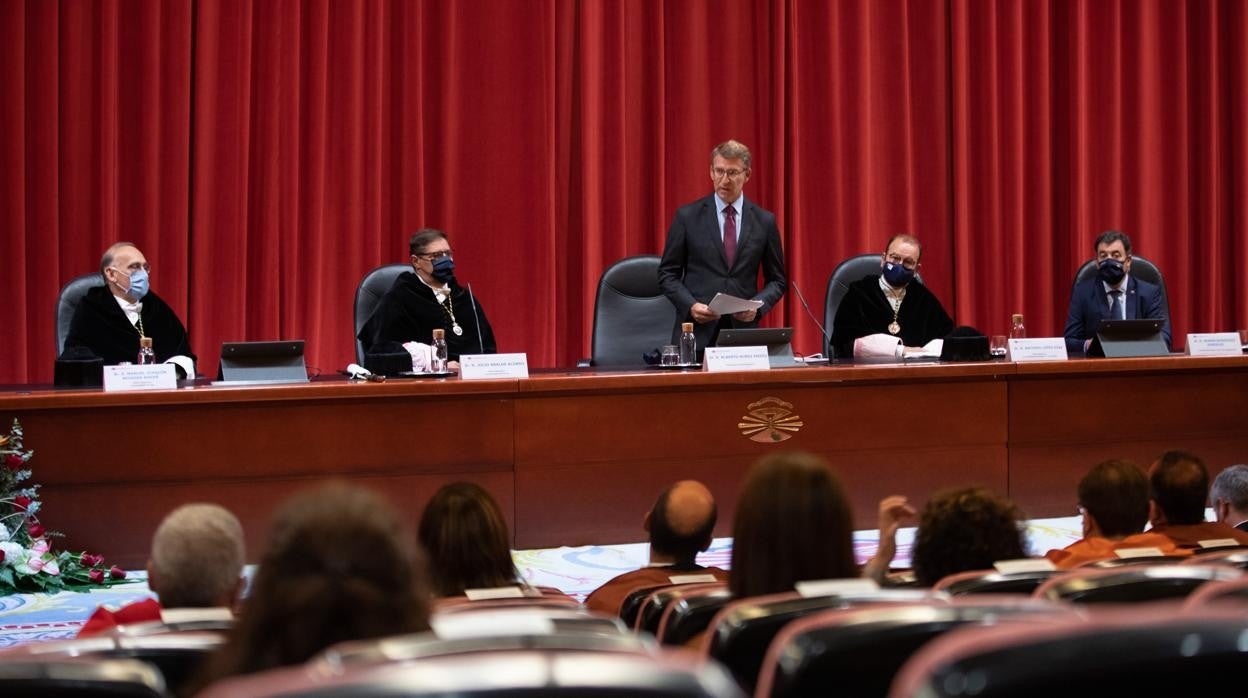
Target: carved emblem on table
(770, 420)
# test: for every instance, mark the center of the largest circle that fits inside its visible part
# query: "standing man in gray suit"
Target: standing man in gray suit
(718, 244)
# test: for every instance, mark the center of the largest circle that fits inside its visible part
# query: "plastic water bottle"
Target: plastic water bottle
(688, 344)
(437, 360)
(1017, 331)
(146, 354)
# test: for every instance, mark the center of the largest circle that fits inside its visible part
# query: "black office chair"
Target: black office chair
(57, 677)
(846, 273)
(1141, 269)
(368, 294)
(631, 314)
(1131, 584)
(67, 302)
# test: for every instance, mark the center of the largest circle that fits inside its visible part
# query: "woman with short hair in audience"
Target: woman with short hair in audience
(340, 565)
(965, 529)
(794, 523)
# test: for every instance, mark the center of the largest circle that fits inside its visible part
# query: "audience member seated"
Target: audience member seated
(1113, 498)
(340, 565)
(1179, 483)
(793, 524)
(195, 570)
(965, 529)
(465, 536)
(1229, 497)
(681, 525)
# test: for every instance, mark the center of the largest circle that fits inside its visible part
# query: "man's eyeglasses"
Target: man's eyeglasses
(435, 256)
(720, 173)
(910, 264)
(135, 267)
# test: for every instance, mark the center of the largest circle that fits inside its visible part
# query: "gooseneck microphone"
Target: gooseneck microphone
(827, 339)
(477, 318)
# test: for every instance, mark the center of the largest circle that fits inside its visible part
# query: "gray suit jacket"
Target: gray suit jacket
(693, 268)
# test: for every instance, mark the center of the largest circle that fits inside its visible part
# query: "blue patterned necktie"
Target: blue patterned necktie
(1115, 306)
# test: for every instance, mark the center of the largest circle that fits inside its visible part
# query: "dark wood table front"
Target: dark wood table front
(577, 457)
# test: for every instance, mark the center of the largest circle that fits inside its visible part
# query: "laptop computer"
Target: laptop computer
(1129, 338)
(262, 363)
(778, 340)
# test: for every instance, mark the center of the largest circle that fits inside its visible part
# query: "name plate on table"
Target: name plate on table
(486, 366)
(140, 377)
(736, 359)
(1038, 349)
(1124, 553)
(1023, 565)
(1214, 344)
(836, 587)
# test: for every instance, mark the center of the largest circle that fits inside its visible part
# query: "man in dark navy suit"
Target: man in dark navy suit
(718, 244)
(1113, 294)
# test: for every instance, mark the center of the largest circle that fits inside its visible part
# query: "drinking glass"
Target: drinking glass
(671, 355)
(997, 346)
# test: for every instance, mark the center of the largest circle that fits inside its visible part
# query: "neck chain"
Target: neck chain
(894, 327)
(138, 325)
(449, 308)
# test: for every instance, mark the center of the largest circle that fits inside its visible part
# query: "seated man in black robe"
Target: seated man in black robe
(886, 314)
(110, 320)
(427, 299)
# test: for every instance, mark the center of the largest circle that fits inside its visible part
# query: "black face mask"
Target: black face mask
(444, 269)
(1110, 271)
(896, 275)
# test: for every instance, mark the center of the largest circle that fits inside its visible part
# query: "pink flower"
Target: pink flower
(96, 576)
(40, 547)
(116, 572)
(14, 461)
(50, 567)
(21, 502)
(35, 530)
(35, 564)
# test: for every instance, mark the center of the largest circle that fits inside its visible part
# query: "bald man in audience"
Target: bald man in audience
(195, 570)
(1178, 484)
(680, 526)
(1229, 497)
(1113, 498)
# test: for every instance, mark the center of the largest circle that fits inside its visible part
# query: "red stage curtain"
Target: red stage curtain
(265, 155)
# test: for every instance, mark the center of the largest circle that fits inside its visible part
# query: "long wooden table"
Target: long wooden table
(577, 457)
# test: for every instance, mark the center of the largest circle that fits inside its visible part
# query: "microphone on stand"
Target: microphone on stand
(477, 319)
(827, 339)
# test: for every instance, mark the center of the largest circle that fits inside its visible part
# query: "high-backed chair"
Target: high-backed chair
(1142, 651)
(177, 656)
(856, 651)
(658, 602)
(992, 582)
(1131, 584)
(742, 630)
(368, 294)
(1234, 557)
(1230, 591)
(1141, 269)
(57, 677)
(846, 273)
(67, 302)
(544, 664)
(631, 314)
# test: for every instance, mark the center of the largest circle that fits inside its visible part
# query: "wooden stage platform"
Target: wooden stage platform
(578, 456)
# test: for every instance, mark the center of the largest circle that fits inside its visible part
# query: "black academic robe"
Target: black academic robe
(865, 310)
(100, 325)
(409, 312)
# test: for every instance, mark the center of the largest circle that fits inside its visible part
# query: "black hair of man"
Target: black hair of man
(1115, 493)
(1179, 483)
(1109, 237)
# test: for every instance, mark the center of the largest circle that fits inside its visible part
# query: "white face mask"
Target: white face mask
(139, 283)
